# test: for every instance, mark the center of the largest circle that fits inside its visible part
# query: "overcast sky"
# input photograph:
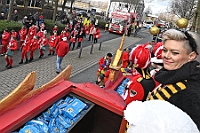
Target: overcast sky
(157, 5)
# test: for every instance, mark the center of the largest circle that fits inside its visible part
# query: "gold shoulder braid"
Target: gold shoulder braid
(166, 91)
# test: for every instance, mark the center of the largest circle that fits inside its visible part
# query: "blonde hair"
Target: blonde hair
(176, 35)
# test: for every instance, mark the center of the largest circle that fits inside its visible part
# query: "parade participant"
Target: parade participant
(91, 33)
(106, 26)
(96, 34)
(179, 77)
(141, 82)
(53, 41)
(61, 49)
(100, 81)
(40, 33)
(32, 31)
(105, 60)
(12, 46)
(25, 49)
(22, 35)
(43, 41)
(125, 57)
(55, 28)
(62, 35)
(73, 38)
(80, 36)
(14, 34)
(42, 26)
(33, 46)
(4, 41)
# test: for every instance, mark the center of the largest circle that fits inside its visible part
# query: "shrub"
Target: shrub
(102, 24)
(9, 25)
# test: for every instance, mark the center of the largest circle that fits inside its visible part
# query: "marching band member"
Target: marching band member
(43, 41)
(32, 31)
(5, 41)
(73, 38)
(33, 46)
(12, 46)
(22, 35)
(80, 36)
(53, 41)
(25, 49)
(96, 34)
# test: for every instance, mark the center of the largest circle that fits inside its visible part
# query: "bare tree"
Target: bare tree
(183, 8)
(10, 10)
(55, 10)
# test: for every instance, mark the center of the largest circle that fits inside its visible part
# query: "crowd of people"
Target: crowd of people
(33, 36)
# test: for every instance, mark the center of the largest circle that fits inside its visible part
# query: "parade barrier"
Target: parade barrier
(91, 48)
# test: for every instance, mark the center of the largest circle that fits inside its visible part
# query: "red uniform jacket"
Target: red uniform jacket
(34, 44)
(43, 41)
(53, 40)
(40, 34)
(97, 33)
(73, 36)
(26, 45)
(62, 48)
(5, 38)
(12, 45)
(125, 59)
(14, 34)
(32, 32)
(22, 34)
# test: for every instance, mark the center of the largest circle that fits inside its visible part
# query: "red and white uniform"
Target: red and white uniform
(53, 40)
(4, 41)
(14, 34)
(97, 33)
(40, 34)
(33, 46)
(32, 31)
(43, 41)
(26, 48)
(22, 35)
(12, 45)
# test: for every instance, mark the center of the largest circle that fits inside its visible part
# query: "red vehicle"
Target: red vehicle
(120, 20)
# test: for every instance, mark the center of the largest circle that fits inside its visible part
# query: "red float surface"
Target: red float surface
(107, 98)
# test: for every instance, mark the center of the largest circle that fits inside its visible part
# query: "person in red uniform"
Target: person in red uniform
(61, 49)
(14, 33)
(80, 36)
(22, 35)
(32, 31)
(12, 46)
(53, 41)
(96, 34)
(25, 49)
(40, 33)
(55, 28)
(4, 41)
(43, 41)
(33, 46)
(105, 60)
(73, 38)
(125, 57)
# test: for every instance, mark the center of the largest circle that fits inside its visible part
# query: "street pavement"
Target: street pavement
(45, 68)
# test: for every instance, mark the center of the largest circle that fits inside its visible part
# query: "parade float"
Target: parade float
(63, 106)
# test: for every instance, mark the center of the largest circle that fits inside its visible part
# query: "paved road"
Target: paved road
(45, 68)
